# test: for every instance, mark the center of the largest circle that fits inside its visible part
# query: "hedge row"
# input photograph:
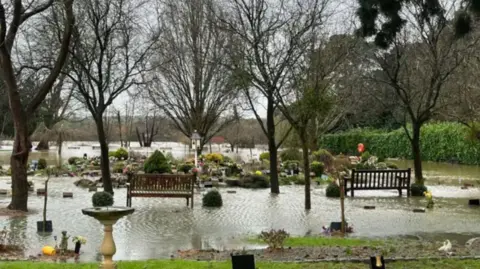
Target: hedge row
(440, 142)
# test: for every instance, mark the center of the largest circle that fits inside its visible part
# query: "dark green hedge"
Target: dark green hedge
(440, 142)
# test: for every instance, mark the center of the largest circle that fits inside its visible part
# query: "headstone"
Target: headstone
(243, 262)
(369, 207)
(231, 191)
(41, 192)
(3, 192)
(92, 189)
(68, 195)
(474, 202)
(419, 210)
(377, 262)
(337, 226)
(208, 184)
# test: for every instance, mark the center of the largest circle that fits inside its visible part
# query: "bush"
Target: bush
(212, 199)
(42, 164)
(214, 157)
(317, 168)
(291, 164)
(275, 239)
(185, 167)
(118, 167)
(102, 198)
(342, 164)
(365, 156)
(440, 142)
(324, 157)
(291, 155)
(264, 156)
(121, 154)
(157, 164)
(298, 179)
(417, 189)
(254, 182)
(333, 190)
(73, 160)
(392, 165)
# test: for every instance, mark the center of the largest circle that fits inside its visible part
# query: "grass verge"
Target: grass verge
(324, 242)
(167, 264)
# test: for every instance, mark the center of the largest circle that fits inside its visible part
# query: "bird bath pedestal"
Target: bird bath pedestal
(108, 216)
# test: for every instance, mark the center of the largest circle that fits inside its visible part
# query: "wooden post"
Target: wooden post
(342, 204)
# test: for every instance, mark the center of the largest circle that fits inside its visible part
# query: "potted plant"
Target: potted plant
(78, 241)
(45, 225)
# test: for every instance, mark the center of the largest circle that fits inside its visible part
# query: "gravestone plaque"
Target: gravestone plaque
(474, 202)
(243, 262)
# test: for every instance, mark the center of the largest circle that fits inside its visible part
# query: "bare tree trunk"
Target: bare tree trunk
(119, 122)
(272, 148)
(104, 161)
(59, 150)
(306, 170)
(43, 144)
(417, 156)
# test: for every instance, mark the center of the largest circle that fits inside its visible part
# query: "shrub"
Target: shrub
(291, 164)
(298, 179)
(254, 182)
(264, 156)
(317, 168)
(365, 166)
(333, 190)
(42, 164)
(275, 239)
(418, 189)
(212, 199)
(102, 198)
(214, 157)
(185, 167)
(392, 165)
(157, 164)
(325, 157)
(342, 164)
(227, 159)
(365, 156)
(73, 160)
(291, 154)
(121, 154)
(118, 167)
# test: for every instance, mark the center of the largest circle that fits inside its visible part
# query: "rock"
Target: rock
(68, 195)
(84, 183)
(41, 192)
(92, 189)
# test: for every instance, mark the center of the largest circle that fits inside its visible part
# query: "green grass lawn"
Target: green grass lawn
(166, 264)
(319, 241)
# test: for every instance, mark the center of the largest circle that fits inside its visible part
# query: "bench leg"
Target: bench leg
(188, 202)
(191, 204)
(400, 192)
(353, 194)
(408, 192)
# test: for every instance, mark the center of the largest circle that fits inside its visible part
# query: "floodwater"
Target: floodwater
(445, 171)
(78, 148)
(161, 226)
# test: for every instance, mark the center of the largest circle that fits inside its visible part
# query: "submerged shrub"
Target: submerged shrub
(418, 189)
(325, 157)
(254, 182)
(317, 168)
(42, 164)
(332, 190)
(212, 199)
(264, 156)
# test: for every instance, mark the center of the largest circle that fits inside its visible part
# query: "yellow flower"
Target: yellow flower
(258, 173)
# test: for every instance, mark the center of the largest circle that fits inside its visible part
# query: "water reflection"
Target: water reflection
(159, 227)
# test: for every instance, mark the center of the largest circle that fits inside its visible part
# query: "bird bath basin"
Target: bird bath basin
(108, 216)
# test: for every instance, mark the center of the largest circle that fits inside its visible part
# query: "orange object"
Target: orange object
(361, 148)
(48, 251)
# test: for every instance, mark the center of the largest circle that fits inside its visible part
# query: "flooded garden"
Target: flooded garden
(166, 228)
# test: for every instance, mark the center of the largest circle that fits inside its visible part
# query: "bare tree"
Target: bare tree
(12, 17)
(108, 59)
(146, 137)
(313, 94)
(193, 87)
(418, 66)
(268, 38)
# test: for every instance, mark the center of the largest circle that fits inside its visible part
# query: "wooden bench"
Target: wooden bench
(395, 179)
(156, 185)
